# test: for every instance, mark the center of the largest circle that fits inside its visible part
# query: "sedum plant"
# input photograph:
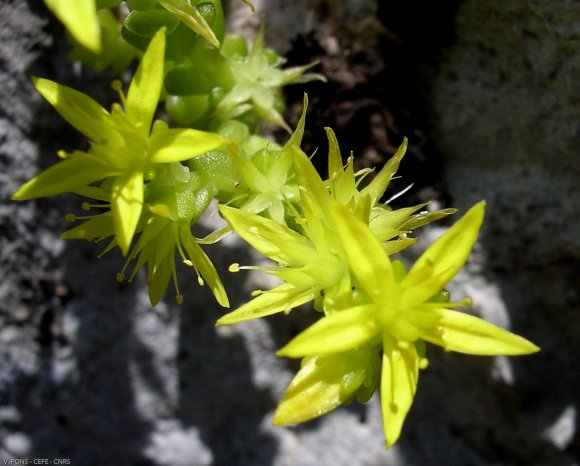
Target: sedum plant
(146, 183)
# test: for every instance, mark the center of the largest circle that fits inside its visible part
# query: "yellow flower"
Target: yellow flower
(398, 310)
(125, 146)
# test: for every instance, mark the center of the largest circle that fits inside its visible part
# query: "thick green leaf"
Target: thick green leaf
(147, 23)
(190, 15)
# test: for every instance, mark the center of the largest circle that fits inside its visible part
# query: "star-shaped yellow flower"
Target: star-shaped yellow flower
(396, 310)
(124, 145)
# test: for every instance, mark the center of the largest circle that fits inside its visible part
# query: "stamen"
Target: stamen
(88, 206)
(126, 264)
(184, 259)
(399, 194)
(403, 344)
(175, 284)
(117, 86)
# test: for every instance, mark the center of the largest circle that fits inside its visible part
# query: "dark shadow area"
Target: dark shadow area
(216, 392)
(544, 305)
(378, 93)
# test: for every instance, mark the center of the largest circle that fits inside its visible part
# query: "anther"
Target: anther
(120, 277)
(235, 267)
(423, 363)
(179, 299)
(188, 262)
(70, 218)
(255, 293)
(200, 281)
(117, 85)
(403, 344)
(86, 206)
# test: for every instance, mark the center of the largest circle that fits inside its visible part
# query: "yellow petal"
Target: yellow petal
(366, 256)
(280, 299)
(342, 182)
(378, 185)
(176, 145)
(341, 331)
(272, 239)
(158, 278)
(126, 206)
(319, 386)
(443, 259)
(82, 112)
(204, 266)
(145, 88)
(457, 331)
(66, 176)
(80, 19)
(398, 386)
(94, 229)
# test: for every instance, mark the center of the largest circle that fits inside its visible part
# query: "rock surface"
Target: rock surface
(89, 372)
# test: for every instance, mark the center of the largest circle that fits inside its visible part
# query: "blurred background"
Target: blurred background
(488, 93)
